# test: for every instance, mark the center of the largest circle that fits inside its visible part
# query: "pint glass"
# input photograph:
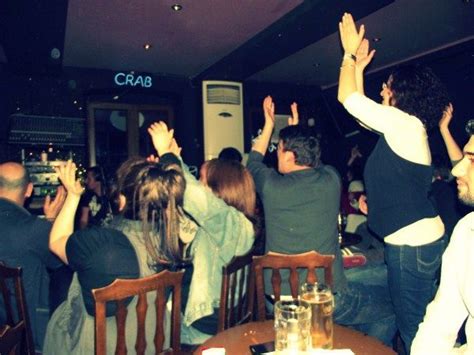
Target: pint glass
(322, 305)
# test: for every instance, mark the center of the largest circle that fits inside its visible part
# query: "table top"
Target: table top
(238, 339)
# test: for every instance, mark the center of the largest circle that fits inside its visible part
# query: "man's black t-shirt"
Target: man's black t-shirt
(99, 208)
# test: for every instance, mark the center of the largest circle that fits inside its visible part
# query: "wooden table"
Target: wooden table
(237, 340)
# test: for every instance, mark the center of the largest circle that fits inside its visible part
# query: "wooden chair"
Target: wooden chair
(16, 336)
(119, 291)
(310, 261)
(235, 292)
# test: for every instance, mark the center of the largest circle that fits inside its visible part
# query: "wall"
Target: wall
(67, 95)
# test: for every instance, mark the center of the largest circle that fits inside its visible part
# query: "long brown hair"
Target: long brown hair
(154, 195)
(232, 182)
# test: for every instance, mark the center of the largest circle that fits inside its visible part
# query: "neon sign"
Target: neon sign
(129, 79)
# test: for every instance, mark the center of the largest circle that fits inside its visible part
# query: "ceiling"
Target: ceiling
(287, 41)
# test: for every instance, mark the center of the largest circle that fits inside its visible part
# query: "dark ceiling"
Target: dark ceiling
(287, 41)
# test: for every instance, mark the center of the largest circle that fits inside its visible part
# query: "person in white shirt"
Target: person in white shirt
(398, 173)
(454, 301)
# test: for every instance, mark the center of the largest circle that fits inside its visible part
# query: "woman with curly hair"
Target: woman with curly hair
(398, 173)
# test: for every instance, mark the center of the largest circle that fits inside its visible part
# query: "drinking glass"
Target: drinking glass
(322, 306)
(292, 327)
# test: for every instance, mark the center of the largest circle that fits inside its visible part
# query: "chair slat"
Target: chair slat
(160, 314)
(121, 318)
(141, 308)
(276, 283)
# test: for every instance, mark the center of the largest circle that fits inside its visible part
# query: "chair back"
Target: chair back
(15, 335)
(236, 292)
(310, 260)
(119, 291)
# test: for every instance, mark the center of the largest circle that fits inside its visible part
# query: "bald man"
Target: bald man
(24, 241)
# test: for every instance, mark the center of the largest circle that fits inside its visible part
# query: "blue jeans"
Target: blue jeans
(412, 280)
(366, 308)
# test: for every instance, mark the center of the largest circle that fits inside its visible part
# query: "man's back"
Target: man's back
(301, 210)
(24, 243)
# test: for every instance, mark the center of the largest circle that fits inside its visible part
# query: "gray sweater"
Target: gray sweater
(301, 210)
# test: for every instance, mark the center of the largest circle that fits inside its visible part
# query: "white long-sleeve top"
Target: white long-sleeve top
(454, 301)
(406, 136)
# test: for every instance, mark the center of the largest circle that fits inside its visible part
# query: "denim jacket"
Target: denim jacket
(223, 233)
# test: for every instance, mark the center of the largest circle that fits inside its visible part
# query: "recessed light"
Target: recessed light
(176, 7)
(116, 97)
(147, 46)
(376, 39)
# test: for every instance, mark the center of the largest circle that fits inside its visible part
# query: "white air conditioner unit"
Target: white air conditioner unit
(223, 116)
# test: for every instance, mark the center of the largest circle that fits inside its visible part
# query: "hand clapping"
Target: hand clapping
(67, 175)
(350, 38)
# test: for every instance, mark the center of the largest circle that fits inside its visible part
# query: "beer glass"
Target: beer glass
(322, 305)
(292, 327)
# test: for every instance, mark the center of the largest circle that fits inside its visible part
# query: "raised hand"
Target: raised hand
(162, 137)
(447, 116)
(350, 38)
(67, 175)
(363, 206)
(152, 159)
(355, 152)
(51, 208)
(175, 148)
(269, 111)
(295, 118)
(363, 57)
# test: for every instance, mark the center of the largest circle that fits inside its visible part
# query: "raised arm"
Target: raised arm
(454, 152)
(295, 116)
(261, 143)
(351, 40)
(355, 154)
(199, 201)
(63, 226)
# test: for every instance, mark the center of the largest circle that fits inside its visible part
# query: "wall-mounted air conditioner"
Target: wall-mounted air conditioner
(223, 116)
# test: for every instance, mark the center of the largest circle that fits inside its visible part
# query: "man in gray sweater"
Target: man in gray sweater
(301, 204)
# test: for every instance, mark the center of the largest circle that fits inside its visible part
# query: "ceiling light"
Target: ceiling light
(376, 39)
(147, 46)
(176, 7)
(116, 97)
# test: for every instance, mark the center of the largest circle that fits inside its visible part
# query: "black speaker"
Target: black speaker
(33, 35)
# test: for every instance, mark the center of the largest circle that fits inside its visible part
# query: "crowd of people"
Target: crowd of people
(158, 216)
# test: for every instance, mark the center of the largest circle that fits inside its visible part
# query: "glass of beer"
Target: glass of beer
(292, 327)
(322, 305)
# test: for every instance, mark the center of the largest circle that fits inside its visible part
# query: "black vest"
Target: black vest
(397, 190)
